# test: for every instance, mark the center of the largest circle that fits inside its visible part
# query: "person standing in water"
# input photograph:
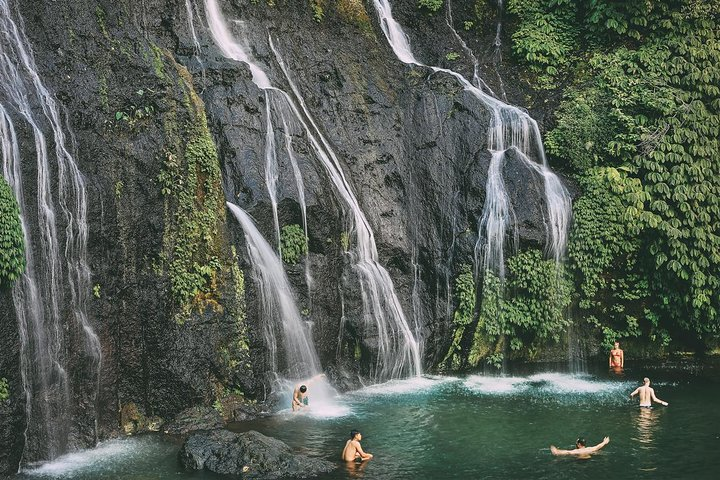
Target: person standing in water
(617, 357)
(580, 448)
(353, 451)
(647, 394)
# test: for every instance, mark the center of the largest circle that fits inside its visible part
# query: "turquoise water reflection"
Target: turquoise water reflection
(478, 427)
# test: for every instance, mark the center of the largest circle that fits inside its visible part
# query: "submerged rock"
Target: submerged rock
(250, 454)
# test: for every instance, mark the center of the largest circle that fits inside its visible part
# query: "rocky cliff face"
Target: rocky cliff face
(141, 102)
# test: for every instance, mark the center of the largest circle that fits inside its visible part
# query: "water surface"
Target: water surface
(477, 426)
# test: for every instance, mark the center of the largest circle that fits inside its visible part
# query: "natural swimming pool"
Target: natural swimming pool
(476, 426)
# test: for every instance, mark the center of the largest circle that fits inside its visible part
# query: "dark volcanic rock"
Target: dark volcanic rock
(250, 454)
(193, 419)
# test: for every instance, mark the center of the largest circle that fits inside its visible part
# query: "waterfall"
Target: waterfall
(287, 134)
(196, 43)
(271, 165)
(279, 311)
(398, 349)
(511, 129)
(45, 334)
(476, 64)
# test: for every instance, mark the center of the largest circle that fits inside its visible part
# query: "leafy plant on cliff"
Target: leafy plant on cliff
(12, 243)
(545, 38)
(431, 5)
(4, 389)
(190, 182)
(317, 7)
(465, 297)
(603, 252)
(530, 306)
(293, 243)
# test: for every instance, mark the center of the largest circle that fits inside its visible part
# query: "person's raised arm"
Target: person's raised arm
(600, 445)
(637, 390)
(652, 395)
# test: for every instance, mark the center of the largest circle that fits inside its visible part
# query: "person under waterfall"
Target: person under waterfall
(300, 395)
(353, 451)
(300, 399)
(580, 449)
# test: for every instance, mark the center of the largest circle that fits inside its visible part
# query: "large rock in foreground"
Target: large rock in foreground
(250, 454)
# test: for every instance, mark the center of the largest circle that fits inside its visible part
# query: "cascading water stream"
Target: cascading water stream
(271, 165)
(398, 350)
(279, 310)
(511, 129)
(196, 42)
(287, 134)
(476, 64)
(38, 294)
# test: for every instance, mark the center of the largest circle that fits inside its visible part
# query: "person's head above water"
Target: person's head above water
(646, 381)
(617, 344)
(355, 433)
(580, 443)
(303, 388)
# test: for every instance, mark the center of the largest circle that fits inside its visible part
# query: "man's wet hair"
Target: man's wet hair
(580, 441)
(353, 433)
(303, 388)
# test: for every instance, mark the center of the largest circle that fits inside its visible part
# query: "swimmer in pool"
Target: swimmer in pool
(646, 394)
(580, 449)
(353, 451)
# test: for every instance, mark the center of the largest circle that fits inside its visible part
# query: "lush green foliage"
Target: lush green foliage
(4, 389)
(545, 38)
(530, 305)
(465, 296)
(190, 182)
(432, 5)
(12, 244)
(639, 128)
(293, 243)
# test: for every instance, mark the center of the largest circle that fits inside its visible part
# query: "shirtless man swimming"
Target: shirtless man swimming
(580, 448)
(646, 394)
(353, 451)
(617, 357)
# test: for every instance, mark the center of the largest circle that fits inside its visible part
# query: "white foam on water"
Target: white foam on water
(113, 452)
(566, 383)
(495, 385)
(406, 386)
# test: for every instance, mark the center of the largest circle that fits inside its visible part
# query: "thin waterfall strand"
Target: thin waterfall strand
(280, 314)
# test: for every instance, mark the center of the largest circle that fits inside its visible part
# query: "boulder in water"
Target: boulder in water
(249, 454)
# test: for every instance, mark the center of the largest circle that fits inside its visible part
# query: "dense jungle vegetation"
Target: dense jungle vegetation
(637, 128)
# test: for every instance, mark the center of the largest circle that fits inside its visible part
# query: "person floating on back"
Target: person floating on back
(647, 394)
(299, 399)
(580, 448)
(353, 452)
(617, 357)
